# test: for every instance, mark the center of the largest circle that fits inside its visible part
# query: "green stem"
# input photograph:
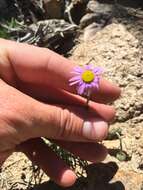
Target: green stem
(120, 139)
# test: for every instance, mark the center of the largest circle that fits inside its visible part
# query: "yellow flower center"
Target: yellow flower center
(88, 76)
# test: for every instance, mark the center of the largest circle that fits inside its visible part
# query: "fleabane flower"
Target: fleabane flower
(86, 79)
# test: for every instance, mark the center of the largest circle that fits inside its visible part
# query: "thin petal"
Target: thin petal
(86, 67)
(75, 72)
(75, 78)
(78, 69)
(87, 86)
(89, 67)
(98, 70)
(73, 83)
(95, 84)
(96, 78)
(81, 89)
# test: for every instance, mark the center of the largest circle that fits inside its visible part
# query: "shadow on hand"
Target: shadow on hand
(98, 178)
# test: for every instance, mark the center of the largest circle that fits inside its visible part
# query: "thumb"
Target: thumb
(22, 118)
(68, 123)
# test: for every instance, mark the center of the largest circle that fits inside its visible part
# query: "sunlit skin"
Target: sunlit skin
(35, 95)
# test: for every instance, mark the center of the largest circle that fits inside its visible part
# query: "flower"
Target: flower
(86, 79)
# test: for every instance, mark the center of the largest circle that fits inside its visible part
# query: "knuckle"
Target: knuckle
(113, 114)
(3, 133)
(66, 123)
(9, 136)
(6, 70)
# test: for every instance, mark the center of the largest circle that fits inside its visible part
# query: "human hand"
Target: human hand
(36, 101)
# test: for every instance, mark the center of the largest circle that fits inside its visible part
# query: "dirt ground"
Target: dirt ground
(119, 51)
(118, 48)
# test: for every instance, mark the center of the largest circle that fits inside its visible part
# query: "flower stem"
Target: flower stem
(88, 99)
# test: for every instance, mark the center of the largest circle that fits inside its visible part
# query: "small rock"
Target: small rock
(91, 30)
(96, 12)
(88, 19)
(99, 8)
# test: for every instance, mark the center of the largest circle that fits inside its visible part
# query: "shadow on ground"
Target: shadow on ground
(99, 176)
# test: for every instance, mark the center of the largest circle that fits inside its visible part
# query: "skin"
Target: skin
(35, 95)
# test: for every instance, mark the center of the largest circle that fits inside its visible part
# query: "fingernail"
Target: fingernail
(96, 130)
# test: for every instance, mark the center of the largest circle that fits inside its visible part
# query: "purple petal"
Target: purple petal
(89, 67)
(96, 85)
(81, 83)
(81, 89)
(96, 79)
(88, 89)
(75, 72)
(98, 70)
(89, 85)
(75, 82)
(75, 78)
(78, 69)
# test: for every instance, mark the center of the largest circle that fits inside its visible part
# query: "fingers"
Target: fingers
(105, 112)
(22, 118)
(53, 166)
(39, 153)
(32, 65)
(92, 152)
(70, 123)
(57, 96)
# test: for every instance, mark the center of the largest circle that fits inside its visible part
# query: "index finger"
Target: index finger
(36, 65)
